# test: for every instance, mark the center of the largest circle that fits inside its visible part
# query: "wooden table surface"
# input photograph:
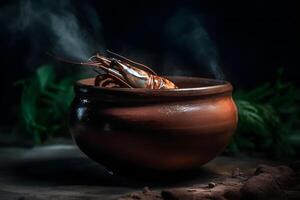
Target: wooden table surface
(63, 172)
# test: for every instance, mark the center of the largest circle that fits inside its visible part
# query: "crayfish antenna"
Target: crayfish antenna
(90, 63)
(97, 65)
(148, 69)
(69, 61)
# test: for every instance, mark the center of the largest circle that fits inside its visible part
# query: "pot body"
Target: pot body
(163, 130)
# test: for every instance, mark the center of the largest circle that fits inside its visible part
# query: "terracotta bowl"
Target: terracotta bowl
(162, 130)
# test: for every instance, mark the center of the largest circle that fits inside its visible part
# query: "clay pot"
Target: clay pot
(164, 130)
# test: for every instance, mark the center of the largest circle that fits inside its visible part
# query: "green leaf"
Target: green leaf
(45, 76)
(269, 117)
(45, 102)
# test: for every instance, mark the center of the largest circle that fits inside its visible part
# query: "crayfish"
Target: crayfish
(119, 71)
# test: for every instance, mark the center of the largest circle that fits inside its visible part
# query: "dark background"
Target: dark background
(254, 38)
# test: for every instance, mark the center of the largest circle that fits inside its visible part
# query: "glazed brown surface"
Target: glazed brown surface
(165, 130)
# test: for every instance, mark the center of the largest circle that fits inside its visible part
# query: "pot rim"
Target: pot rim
(213, 86)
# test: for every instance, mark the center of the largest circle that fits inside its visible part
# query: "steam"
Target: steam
(70, 40)
(54, 26)
(57, 20)
(185, 31)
